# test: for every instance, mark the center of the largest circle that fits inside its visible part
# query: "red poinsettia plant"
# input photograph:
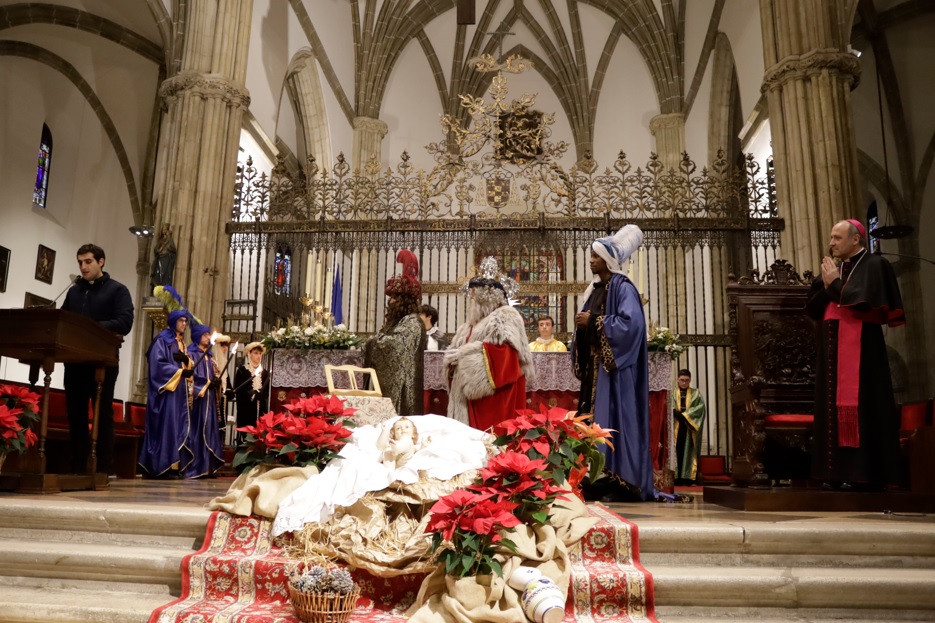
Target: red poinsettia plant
(520, 480)
(19, 410)
(569, 444)
(466, 531)
(310, 431)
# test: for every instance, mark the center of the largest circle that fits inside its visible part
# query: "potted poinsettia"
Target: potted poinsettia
(19, 410)
(309, 431)
(569, 444)
(466, 528)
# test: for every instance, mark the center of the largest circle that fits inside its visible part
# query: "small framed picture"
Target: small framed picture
(4, 267)
(45, 264)
(33, 300)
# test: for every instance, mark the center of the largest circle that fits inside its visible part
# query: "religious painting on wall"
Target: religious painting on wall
(4, 267)
(34, 300)
(45, 264)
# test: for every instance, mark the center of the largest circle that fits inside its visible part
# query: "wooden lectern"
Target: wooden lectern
(41, 338)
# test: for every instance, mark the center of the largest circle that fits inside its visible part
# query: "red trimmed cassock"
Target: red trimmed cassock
(856, 431)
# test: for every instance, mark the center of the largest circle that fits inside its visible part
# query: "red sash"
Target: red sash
(848, 382)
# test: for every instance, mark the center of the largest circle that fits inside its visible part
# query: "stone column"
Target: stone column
(808, 80)
(669, 132)
(368, 140)
(204, 104)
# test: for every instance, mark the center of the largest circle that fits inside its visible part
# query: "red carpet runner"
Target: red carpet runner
(238, 576)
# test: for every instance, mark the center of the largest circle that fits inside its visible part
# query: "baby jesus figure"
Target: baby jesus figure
(397, 443)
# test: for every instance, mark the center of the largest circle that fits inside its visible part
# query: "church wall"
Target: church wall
(627, 103)
(411, 110)
(911, 47)
(125, 82)
(740, 21)
(267, 62)
(87, 199)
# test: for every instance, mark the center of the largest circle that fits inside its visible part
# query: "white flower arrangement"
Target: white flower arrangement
(316, 336)
(662, 339)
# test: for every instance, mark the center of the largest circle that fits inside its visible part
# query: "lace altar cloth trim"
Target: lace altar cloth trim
(239, 576)
(306, 368)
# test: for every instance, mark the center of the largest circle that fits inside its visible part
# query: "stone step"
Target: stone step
(871, 589)
(52, 518)
(20, 604)
(788, 544)
(91, 561)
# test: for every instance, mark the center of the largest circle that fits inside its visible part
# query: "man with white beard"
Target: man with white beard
(489, 357)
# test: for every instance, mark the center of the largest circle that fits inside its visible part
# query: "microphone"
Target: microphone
(72, 280)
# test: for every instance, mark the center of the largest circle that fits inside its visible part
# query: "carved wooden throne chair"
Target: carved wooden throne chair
(773, 355)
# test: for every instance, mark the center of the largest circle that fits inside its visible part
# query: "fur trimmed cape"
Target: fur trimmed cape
(467, 367)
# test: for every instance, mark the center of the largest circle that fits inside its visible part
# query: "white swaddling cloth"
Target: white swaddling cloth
(453, 448)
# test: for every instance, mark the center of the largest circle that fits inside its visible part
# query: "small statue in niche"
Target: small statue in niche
(164, 254)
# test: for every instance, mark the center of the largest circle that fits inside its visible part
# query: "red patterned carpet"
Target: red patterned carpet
(239, 576)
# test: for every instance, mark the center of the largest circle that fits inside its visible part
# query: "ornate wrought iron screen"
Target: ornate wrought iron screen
(536, 217)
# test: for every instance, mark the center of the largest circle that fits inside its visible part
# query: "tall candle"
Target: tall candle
(642, 269)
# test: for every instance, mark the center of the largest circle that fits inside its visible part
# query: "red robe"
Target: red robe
(506, 377)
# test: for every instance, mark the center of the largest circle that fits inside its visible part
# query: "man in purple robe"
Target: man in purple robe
(610, 359)
(856, 430)
(204, 438)
(165, 452)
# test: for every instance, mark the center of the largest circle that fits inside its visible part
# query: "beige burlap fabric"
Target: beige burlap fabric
(445, 599)
(260, 490)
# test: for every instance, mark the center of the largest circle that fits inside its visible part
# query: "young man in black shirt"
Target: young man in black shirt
(108, 302)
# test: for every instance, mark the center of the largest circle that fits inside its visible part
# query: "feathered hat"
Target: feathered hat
(408, 283)
(618, 248)
(173, 302)
(615, 250)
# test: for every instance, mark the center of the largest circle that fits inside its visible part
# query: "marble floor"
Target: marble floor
(196, 493)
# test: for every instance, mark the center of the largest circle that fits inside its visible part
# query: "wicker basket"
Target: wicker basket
(323, 607)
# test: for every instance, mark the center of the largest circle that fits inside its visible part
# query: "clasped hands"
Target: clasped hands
(829, 271)
(582, 318)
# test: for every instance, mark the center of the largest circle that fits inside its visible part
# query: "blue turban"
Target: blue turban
(175, 316)
(197, 331)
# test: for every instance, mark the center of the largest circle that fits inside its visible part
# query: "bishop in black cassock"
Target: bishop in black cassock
(856, 431)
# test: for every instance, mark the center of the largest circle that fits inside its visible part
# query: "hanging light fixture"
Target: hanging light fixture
(143, 231)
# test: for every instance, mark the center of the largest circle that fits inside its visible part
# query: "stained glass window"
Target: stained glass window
(534, 268)
(41, 191)
(282, 271)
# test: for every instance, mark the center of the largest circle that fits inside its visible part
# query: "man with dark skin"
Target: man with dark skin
(610, 359)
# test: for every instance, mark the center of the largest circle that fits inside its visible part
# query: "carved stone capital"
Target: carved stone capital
(206, 86)
(843, 64)
(666, 121)
(371, 126)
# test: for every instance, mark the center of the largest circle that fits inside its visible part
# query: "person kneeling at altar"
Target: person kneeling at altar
(489, 358)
